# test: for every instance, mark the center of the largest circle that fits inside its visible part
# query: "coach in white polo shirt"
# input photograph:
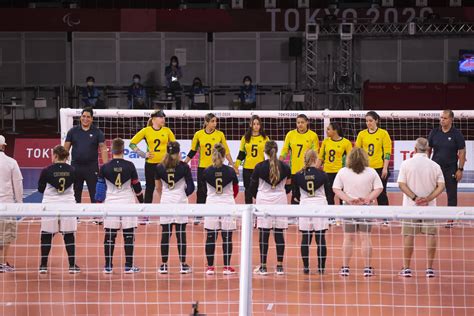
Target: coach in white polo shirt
(421, 180)
(11, 191)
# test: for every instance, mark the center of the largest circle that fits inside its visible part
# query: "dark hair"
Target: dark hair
(247, 78)
(337, 127)
(218, 155)
(449, 112)
(61, 152)
(136, 76)
(271, 149)
(88, 109)
(117, 146)
(197, 79)
(174, 58)
(373, 115)
(173, 155)
(303, 116)
(358, 160)
(248, 132)
(208, 118)
(90, 78)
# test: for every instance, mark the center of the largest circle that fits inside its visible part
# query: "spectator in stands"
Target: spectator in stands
(11, 191)
(449, 152)
(136, 94)
(248, 98)
(173, 74)
(91, 95)
(85, 140)
(421, 180)
(198, 95)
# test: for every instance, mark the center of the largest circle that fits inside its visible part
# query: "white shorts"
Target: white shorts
(165, 220)
(272, 222)
(123, 222)
(312, 223)
(217, 223)
(53, 225)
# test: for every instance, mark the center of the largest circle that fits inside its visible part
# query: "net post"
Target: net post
(245, 295)
(326, 121)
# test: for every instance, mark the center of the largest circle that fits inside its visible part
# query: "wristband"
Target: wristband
(414, 198)
(461, 169)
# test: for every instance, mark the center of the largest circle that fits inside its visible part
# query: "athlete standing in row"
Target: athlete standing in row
(56, 185)
(157, 137)
(332, 156)
(269, 185)
(118, 183)
(311, 182)
(174, 184)
(251, 152)
(377, 144)
(298, 141)
(204, 141)
(222, 188)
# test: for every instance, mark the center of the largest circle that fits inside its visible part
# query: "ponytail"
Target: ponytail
(310, 157)
(271, 149)
(171, 161)
(218, 155)
(149, 123)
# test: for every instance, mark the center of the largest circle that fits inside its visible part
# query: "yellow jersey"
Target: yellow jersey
(252, 152)
(156, 141)
(204, 143)
(333, 154)
(298, 143)
(378, 146)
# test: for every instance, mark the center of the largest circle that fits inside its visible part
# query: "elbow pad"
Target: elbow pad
(100, 190)
(140, 198)
(241, 155)
(137, 187)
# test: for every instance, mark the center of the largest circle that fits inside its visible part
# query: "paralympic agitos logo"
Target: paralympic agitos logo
(70, 21)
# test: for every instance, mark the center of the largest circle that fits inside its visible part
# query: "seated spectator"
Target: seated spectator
(173, 74)
(91, 95)
(198, 95)
(248, 98)
(136, 94)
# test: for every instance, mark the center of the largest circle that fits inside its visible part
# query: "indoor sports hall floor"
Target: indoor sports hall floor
(451, 292)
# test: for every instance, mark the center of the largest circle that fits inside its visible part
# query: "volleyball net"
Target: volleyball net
(26, 291)
(404, 128)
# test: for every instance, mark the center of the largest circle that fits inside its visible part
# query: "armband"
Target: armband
(100, 190)
(241, 155)
(191, 154)
(387, 156)
(288, 188)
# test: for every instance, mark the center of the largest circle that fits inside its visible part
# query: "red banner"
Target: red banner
(34, 152)
(206, 20)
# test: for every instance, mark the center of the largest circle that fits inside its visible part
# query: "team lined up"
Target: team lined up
(268, 181)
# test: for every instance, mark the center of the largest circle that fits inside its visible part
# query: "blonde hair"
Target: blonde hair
(358, 160)
(171, 160)
(310, 157)
(218, 155)
(150, 122)
(271, 149)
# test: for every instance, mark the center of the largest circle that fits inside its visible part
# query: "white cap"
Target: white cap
(2, 140)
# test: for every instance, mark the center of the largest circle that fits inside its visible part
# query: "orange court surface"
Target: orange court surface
(451, 292)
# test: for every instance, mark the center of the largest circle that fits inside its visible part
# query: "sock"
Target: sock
(263, 237)
(181, 239)
(322, 249)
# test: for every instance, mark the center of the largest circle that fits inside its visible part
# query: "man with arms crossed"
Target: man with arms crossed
(421, 180)
(11, 191)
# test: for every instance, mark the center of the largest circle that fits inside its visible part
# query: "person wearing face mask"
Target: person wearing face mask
(248, 98)
(173, 75)
(136, 94)
(91, 95)
(198, 90)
